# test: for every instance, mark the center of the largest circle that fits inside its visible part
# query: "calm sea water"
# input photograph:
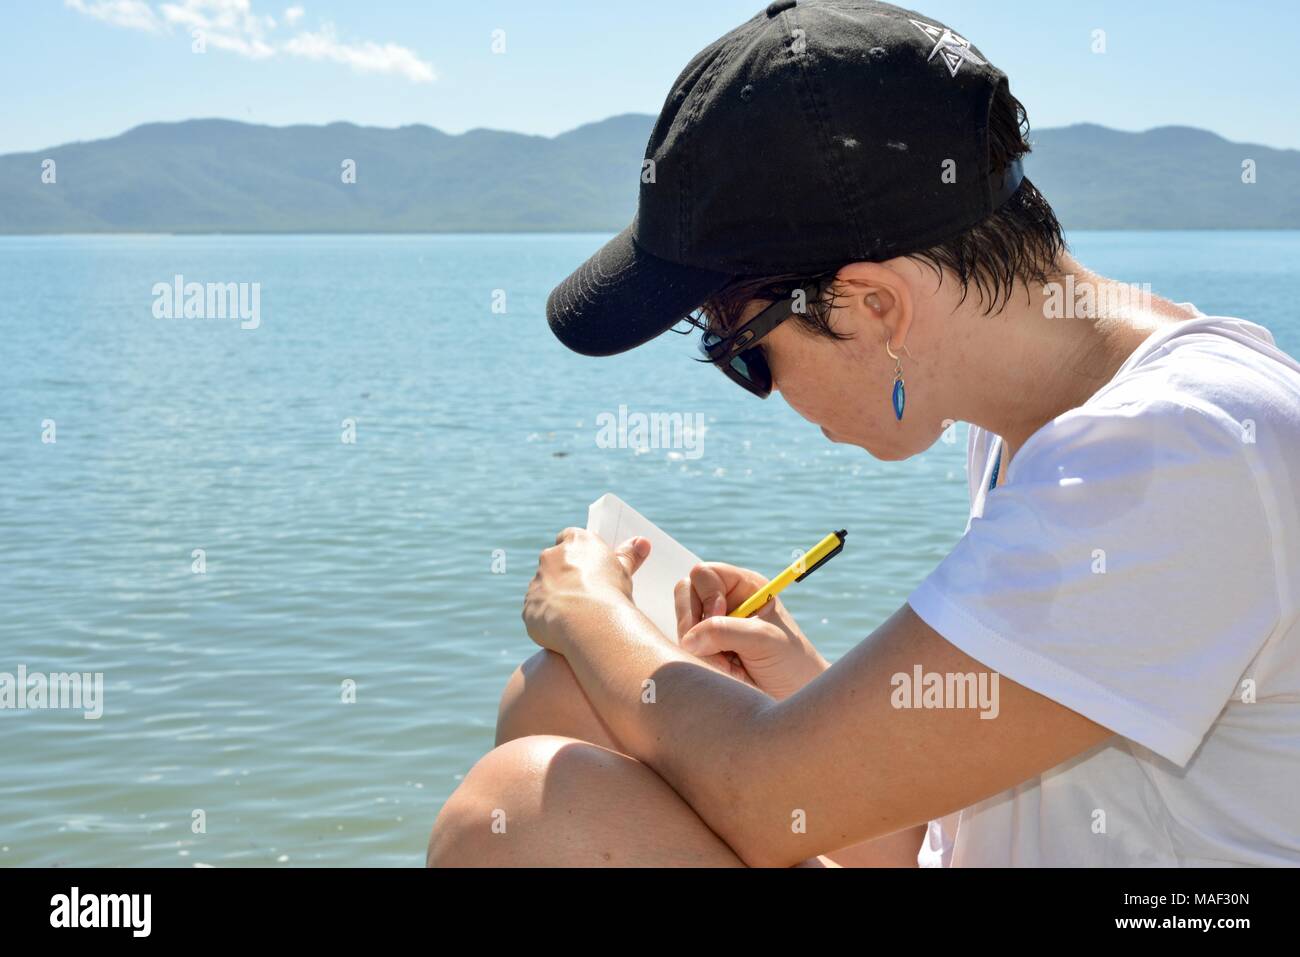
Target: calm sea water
(373, 561)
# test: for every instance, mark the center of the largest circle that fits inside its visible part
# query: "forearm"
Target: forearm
(697, 728)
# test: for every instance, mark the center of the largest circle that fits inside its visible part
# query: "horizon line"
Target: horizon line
(543, 232)
(615, 116)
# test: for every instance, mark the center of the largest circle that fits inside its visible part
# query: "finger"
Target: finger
(770, 611)
(632, 554)
(710, 589)
(687, 608)
(738, 583)
(748, 637)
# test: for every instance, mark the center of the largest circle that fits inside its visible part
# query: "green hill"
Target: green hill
(225, 176)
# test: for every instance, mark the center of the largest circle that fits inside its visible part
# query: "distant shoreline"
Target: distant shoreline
(143, 234)
(207, 177)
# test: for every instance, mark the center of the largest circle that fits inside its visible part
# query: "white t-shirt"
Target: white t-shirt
(1139, 562)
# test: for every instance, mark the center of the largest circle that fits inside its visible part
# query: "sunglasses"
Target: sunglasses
(739, 355)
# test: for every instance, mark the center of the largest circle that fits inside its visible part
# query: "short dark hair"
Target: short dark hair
(1021, 240)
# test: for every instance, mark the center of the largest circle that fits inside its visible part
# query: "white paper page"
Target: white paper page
(652, 586)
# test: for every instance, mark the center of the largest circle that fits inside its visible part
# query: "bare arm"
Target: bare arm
(831, 766)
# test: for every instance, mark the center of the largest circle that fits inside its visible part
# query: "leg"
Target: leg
(893, 850)
(544, 697)
(551, 801)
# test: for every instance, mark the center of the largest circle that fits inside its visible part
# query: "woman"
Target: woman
(1106, 668)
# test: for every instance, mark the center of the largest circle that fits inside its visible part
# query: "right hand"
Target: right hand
(776, 656)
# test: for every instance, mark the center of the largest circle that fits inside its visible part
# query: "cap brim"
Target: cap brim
(623, 296)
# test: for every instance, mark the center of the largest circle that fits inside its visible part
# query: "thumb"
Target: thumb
(632, 554)
(747, 637)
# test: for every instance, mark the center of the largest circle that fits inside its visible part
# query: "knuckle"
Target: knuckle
(709, 628)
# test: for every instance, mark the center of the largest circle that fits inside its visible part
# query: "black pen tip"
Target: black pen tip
(842, 533)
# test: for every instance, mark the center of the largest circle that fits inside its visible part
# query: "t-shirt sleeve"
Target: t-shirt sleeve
(1124, 570)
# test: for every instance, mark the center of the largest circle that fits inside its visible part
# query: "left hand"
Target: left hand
(767, 650)
(579, 572)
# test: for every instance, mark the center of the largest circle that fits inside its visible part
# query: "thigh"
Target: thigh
(550, 801)
(543, 697)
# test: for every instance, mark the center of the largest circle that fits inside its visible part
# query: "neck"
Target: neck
(1049, 350)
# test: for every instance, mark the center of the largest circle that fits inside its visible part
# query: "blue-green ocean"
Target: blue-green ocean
(297, 552)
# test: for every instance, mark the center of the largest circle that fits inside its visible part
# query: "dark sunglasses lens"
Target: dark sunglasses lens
(749, 369)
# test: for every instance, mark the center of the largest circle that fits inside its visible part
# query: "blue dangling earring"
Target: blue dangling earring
(899, 396)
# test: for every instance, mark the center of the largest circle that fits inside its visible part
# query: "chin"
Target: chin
(890, 455)
(887, 451)
(860, 443)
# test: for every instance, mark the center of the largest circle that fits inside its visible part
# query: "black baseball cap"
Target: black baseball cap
(817, 133)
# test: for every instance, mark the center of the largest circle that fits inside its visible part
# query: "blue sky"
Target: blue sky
(87, 69)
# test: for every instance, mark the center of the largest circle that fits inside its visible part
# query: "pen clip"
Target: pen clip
(825, 558)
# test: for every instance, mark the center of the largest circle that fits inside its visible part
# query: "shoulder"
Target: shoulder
(1179, 475)
(1141, 437)
(1139, 550)
(1166, 474)
(1202, 392)
(1228, 369)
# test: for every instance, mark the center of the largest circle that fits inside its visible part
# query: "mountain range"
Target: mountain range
(226, 176)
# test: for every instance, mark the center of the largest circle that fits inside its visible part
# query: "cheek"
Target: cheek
(806, 398)
(834, 386)
(819, 389)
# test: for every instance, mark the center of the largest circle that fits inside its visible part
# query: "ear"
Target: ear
(881, 296)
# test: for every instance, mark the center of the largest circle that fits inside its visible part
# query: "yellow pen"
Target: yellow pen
(813, 559)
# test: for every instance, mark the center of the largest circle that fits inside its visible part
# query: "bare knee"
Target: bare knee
(552, 801)
(543, 697)
(483, 821)
(536, 686)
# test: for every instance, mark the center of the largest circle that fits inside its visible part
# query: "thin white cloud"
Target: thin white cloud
(133, 14)
(227, 16)
(362, 57)
(253, 49)
(225, 24)
(232, 26)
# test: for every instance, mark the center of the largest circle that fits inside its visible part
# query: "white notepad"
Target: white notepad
(652, 586)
